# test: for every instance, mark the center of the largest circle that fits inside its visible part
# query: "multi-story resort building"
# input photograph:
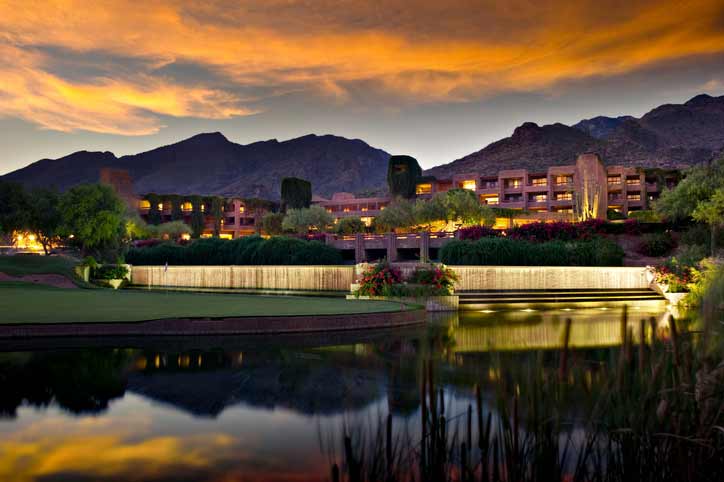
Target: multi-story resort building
(237, 217)
(540, 196)
(543, 195)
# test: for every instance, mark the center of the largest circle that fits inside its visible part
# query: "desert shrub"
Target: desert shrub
(656, 244)
(476, 232)
(250, 250)
(517, 252)
(351, 225)
(110, 272)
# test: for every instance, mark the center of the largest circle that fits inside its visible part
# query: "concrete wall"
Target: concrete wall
(549, 278)
(316, 278)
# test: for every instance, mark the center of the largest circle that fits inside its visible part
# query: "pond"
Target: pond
(262, 408)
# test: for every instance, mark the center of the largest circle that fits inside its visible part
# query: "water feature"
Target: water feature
(257, 408)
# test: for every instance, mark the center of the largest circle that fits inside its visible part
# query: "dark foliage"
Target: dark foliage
(656, 244)
(296, 193)
(403, 173)
(249, 250)
(474, 233)
(517, 252)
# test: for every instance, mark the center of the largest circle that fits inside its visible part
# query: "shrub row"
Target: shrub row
(516, 252)
(250, 250)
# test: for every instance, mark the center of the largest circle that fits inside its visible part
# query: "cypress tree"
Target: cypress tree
(403, 173)
(296, 193)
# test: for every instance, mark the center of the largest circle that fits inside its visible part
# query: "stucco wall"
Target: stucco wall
(317, 278)
(549, 278)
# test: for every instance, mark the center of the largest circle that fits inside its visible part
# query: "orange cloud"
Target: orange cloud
(426, 52)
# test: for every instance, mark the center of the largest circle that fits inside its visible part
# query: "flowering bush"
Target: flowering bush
(558, 231)
(474, 233)
(439, 279)
(675, 275)
(377, 280)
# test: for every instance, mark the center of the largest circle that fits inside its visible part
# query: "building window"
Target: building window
(564, 180)
(539, 181)
(468, 184)
(564, 196)
(614, 179)
(563, 210)
(329, 210)
(367, 220)
(382, 208)
(489, 184)
(160, 206)
(187, 207)
(539, 198)
(513, 198)
(144, 204)
(345, 210)
(633, 181)
(425, 188)
(364, 209)
(513, 183)
(633, 197)
(242, 209)
(491, 200)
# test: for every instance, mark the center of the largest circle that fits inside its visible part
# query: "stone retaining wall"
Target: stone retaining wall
(312, 278)
(474, 278)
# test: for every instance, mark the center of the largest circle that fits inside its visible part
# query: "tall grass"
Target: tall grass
(654, 412)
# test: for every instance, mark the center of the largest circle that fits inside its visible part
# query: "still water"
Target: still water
(254, 408)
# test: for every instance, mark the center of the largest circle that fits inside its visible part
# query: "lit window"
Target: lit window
(364, 209)
(226, 236)
(242, 209)
(329, 210)
(144, 204)
(633, 197)
(539, 181)
(423, 188)
(367, 220)
(468, 184)
(563, 180)
(187, 206)
(346, 210)
(614, 179)
(490, 200)
(539, 198)
(382, 208)
(160, 206)
(564, 196)
(512, 183)
(633, 181)
(203, 208)
(185, 236)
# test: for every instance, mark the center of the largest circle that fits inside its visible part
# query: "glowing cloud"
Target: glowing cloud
(252, 51)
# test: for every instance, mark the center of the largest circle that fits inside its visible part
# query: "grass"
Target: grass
(27, 303)
(23, 264)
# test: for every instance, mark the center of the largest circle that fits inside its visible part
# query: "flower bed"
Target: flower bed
(385, 280)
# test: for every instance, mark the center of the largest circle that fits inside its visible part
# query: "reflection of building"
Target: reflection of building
(550, 194)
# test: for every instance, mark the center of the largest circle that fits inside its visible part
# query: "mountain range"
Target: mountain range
(669, 136)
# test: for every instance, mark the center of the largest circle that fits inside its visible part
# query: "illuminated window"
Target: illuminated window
(364, 209)
(513, 183)
(206, 235)
(633, 181)
(345, 210)
(633, 197)
(382, 208)
(226, 236)
(242, 209)
(329, 210)
(539, 181)
(187, 206)
(203, 208)
(160, 206)
(490, 200)
(423, 188)
(468, 184)
(367, 220)
(564, 196)
(539, 198)
(185, 236)
(144, 204)
(564, 180)
(614, 179)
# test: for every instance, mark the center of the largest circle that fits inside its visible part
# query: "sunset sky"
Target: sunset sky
(434, 79)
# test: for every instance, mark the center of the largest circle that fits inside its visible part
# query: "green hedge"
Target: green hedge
(250, 250)
(514, 252)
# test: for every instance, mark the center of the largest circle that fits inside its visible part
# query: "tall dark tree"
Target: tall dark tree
(154, 213)
(296, 193)
(44, 217)
(94, 215)
(403, 173)
(13, 207)
(198, 219)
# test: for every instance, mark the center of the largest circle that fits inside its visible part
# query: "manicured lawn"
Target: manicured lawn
(23, 264)
(27, 303)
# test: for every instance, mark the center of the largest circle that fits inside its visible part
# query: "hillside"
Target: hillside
(671, 135)
(211, 164)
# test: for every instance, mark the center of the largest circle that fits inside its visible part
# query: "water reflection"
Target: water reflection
(253, 408)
